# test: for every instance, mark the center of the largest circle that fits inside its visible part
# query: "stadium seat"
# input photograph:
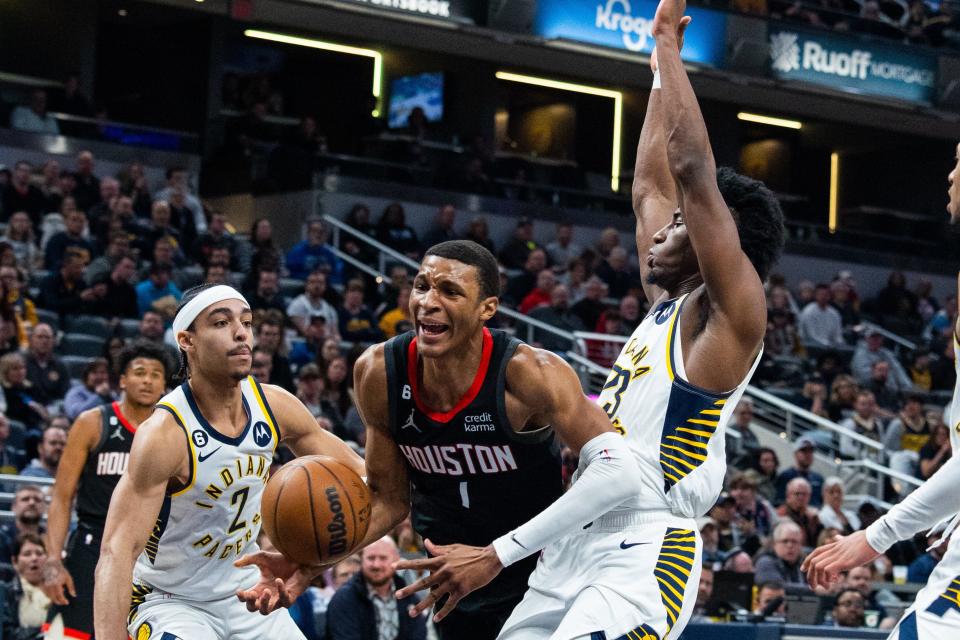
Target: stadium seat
(291, 287)
(49, 317)
(75, 365)
(78, 344)
(18, 434)
(129, 327)
(37, 277)
(89, 325)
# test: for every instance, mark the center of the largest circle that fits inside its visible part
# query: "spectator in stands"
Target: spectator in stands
(20, 195)
(539, 296)
(111, 352)
(93, 391)
(710, 534)
(803, 460)
(264, 254)
(704, 593)
(70, 238)
(181, 220)
(797, 507)
(29, 506)
(742, 448)
(307, 350)
(398, 316)
(920, 569)
(897, 306)
(755, 517)
(862, 579)
(515, 254)
(832, 514)
(563, 249)
(936, 452)
(442, 228)
(267, 293)
(845, 304)
(559, 315)
(393, 231)
(629, 314)
(87, 190)
(365, 608)
(906, 435)
(216, 235)
(921, 375)
(771, 599)
(26, 603)
(357, 323)
(335, 387)
(215, 274)
(843, 397)
(11, 458)
(13, 280)
(820, 324)
(100, 214)
(479, 232)
(49, 184)
(782, 564)
(615, 271)
(575, 278)
(156, 288)
(329, 351)
(609, 238)
(152, 330)
(49, 453)
(849, 605)
(158, 226)
(522, 284)
(178, 179)
(21, 399)
(261, 366)
(46, 373)
(69, 98)
(724, 514)
(311, 303)
(34, 117)
(871, 350)
(879, 384)
(866, 421)
(359, 218)
(310, 388)
(164, 254)
(313, 253)
(19, 235)
(117, 297)
(270, 340)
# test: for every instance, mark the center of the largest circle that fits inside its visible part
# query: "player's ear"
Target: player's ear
(488, 308)
(185, 340)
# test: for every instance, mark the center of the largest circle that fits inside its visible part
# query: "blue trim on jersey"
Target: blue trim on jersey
(266, 405)
(186, 434)
(209, 428)
(908, 627)
(706, 393)
(693, 417)
(948, 600)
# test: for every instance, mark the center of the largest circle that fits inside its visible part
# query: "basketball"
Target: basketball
(315, 510)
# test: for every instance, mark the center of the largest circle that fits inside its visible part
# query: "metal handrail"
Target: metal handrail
(18, 479)
(889, 335)
(879, 468)
(346, 257)
(69, 117)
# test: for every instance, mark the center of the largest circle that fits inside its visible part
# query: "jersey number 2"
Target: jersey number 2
(241, 496)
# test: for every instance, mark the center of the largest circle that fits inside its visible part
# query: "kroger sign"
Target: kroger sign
(627, 24)
(853, 66)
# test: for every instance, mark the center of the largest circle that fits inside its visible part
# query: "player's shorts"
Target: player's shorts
(935, 614)
(627, 575)
(75, 620)
(164, 616)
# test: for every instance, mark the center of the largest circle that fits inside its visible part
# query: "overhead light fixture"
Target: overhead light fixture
(773, 122)
(616, 96)
(834, 188)
(330, 46)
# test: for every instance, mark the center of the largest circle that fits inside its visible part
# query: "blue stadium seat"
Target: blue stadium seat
(75, 365)
(291, 287)
(78, 344)
(89, 325)
(49, 317)
(129, 327)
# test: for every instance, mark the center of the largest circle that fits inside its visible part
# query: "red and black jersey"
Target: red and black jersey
(103, 468)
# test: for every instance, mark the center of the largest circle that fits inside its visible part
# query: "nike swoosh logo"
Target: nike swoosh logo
(201, 458)
(514, 538)
(624, 545)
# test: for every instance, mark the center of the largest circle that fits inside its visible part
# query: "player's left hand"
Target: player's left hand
(455, 570)
(668, 16)
(824, 565)
(281, 581)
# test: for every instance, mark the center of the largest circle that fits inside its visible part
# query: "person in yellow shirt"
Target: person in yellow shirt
(12, 280)
(401, 313)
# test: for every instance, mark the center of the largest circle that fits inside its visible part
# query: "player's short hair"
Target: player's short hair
(759, 218)
(473, 254)
(144, 349)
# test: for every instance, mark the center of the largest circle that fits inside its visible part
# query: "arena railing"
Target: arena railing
(787, 420)
(6, 497)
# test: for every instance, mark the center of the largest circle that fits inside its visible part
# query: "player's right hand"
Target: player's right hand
(56, 578)
(668, 16)
(824, 565)
(281, 581)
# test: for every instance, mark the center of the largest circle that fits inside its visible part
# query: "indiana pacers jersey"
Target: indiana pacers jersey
(952, 418)
(674, 428)
(206, 525)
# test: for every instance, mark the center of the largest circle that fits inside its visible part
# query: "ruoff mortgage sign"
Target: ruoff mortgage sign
(852, 65)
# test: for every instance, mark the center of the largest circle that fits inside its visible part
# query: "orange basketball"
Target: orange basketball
(316, 509)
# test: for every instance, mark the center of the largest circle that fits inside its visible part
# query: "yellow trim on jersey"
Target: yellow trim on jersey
(262, 402)
(193, 452)
(670, 338)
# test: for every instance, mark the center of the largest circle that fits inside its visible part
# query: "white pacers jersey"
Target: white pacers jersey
(952, 417)
(673, 428)
(205, 526)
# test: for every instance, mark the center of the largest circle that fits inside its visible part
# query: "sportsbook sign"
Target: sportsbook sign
(627, 24)
(851, 65)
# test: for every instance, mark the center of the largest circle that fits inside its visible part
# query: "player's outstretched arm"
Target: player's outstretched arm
(300, 431)
(551, 394)
(654, 189)
(83, 437)
(158, 455)
(925, 507)
(735, 290)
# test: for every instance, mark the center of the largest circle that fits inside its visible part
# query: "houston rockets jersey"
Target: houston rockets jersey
(103, 468)
(206, 525)
(674, 428)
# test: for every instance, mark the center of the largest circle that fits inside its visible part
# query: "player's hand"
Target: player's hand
(824, 565)
(455, 570)
(681, 29)
(56, 578)
(668, 17)
(281, 581)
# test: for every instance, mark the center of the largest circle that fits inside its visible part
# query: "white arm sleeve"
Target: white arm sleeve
(935, 499)
(609, 476)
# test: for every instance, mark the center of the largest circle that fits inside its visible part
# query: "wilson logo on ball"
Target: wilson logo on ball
(337, 528)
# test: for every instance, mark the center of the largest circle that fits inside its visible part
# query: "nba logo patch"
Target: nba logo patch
(262, 434)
